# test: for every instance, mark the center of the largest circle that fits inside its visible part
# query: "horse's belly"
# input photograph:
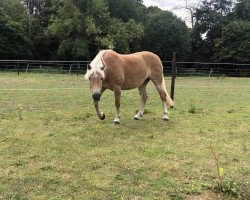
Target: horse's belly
(133, 81)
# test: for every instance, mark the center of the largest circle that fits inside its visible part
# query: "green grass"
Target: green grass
(61, 150)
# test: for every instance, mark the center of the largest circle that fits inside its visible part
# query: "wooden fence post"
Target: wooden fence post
(173, 76)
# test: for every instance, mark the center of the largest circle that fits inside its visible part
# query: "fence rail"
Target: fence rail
(79, 67)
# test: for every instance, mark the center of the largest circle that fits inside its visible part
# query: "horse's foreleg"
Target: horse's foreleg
(117, 92)
(100, 114)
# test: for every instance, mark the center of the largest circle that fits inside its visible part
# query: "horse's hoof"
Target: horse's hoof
(137, 117)
(116, 122)
(165, 119)
(102, 117)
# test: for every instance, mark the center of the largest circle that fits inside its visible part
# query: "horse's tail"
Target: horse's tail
(169, 101)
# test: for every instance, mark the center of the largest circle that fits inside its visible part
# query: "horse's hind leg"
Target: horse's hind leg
(144, 97)
(166, 100)
(117, 91)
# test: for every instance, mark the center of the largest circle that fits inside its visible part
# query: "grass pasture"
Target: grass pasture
(53, 146)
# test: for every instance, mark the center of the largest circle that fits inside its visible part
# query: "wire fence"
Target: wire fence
(40, 66)
(80, 67)
(208, 69)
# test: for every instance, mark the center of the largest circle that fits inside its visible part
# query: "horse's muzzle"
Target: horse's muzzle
(96, 96)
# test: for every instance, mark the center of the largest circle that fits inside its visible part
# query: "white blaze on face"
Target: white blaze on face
(96, 66)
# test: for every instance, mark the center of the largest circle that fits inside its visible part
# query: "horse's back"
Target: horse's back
(153, 63)
(140, 59)
(132, 69)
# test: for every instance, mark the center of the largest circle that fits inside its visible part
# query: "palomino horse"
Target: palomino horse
(110, 70)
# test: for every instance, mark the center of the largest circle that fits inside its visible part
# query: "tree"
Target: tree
(242, 10)
(14, 10)
(210, 18)
(40, 12)
(122, 36)
(191, 8)
(84, 26)
(165, 33)
(14, 40)
(234, 44)
(126, 9)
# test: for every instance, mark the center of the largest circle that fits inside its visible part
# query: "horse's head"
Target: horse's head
(95, 82)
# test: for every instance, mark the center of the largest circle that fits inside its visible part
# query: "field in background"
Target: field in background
(53, 146)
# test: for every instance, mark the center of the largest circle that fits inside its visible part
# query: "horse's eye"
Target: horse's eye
(101, 78)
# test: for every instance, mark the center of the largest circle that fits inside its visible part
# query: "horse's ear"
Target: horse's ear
(88, 67)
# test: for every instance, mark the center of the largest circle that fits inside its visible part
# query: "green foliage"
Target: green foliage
(14, 9)
(123, 34)
(192, 109)
(79, 29)
(165, 33)
(126, 9)
(225, 41)
(14, 42)
(242, 10)
(210, 18)
(234, 43)
(223, 184)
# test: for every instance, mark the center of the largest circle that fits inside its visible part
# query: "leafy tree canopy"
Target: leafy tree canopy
(242, 10)
(14, 43)
(165, 33)
(14, 40)
(228, 48)
(210, 18)
(84, 26)
(77, 29)
(126, 9)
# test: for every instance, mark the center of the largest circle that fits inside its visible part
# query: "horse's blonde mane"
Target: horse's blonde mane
(96, 66)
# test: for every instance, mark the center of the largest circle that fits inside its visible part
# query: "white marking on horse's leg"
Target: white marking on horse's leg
(165, 112)
(117, 118)
(163, 95)
(141, 110)
(140, 113)
(144, 97)
(117, 92)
